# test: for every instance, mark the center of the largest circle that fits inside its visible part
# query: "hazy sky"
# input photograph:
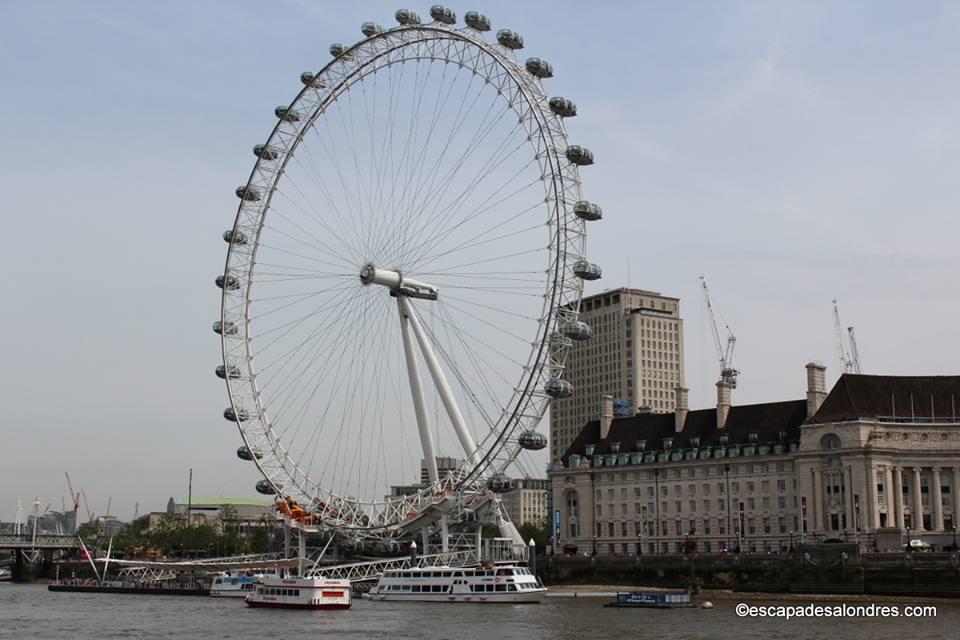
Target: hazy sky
(792, 152)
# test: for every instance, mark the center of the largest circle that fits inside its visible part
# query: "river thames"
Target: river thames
(30, 611)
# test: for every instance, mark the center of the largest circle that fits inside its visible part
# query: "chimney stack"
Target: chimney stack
(816, 387)
(680, 415)
(606, 415)
(723, 403)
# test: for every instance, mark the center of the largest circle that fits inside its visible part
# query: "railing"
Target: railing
(42, 541)
(372, 569)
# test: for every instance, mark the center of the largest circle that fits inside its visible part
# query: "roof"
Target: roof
(235, 502)
(862, 396)
(767, 420)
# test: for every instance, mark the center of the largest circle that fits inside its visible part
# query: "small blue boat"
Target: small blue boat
(657, 600)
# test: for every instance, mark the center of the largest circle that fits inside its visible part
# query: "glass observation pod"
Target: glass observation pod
(337, 49)
(405, 17)
(236, 416)
(287, 114)
(539, 68)
(223, 372)
(225, 328)
(586, 270)
(264, 152)
(558, 388)
(244, 453)
(230, 283)
(309, 79)
(247, 193)
(232, 236)
(443, 14)
(587, 210)
(576, 330)
(579, 155)
(368, 29)
(510, 39)
(477, 21)
(532, 440)
(563, 107)
(500, 483)
(265, 488)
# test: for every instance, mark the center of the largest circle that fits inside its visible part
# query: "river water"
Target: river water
(30, 611)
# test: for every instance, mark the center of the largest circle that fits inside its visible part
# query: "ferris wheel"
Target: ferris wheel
(415, 209)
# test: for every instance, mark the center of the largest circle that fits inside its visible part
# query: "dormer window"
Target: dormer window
(752, 436)
(667, 443)
(695, 442)
(641, 445)
(588, 449)
(614, 447)
(723, 438)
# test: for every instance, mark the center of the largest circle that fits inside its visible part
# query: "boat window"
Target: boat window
(501, 587)
(511, 587)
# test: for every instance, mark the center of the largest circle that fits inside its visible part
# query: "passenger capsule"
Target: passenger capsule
(587, 210)
(579, 155)
(443, 14)
(225, 328)
(236, 416)
(558, 388)
(406, 17)
(232, 236)
(539, 68)
(532, 440)
(371, 29)
(586, 270)
(264, 152)
(247, 193)
(244, 453)
(563, 107)
(477, 21)
(286, 114)
(224, 372)
(510, 39)
(500, 483)
(576, 330)
(266, 488)
(230, 283)
(337, 49)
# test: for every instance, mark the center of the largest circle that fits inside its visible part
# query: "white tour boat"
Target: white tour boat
(232, 586)
(300, 593)
(500, 583)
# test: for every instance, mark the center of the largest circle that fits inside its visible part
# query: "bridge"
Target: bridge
(41, 541)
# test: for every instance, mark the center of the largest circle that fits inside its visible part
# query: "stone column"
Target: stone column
(955, 492)
(898, 497)
(937, 501)
(888, 493)
(917, 501)
(872, 519)
(818, 520)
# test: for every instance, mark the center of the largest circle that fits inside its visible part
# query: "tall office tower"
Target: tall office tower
(635, 355)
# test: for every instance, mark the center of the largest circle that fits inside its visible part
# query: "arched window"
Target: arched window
(830, 441)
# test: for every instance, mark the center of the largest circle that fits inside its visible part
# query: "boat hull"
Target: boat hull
(293, 605)
(504, 598)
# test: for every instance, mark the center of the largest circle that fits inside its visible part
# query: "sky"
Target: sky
(794, 153)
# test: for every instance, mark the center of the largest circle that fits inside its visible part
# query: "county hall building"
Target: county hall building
(876, 461)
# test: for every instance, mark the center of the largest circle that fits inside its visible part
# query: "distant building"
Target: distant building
(875, 461)
(635, 355)
(445, 465)
(527, 503)
(250, 511)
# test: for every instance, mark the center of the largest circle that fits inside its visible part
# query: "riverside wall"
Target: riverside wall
(820, 569)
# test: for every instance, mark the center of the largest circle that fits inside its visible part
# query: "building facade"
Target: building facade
(527, 502)
(635, 354)
(765, 477)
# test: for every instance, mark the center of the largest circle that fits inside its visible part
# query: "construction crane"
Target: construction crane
(86, 505)
(75, 498)
(849, 357)
(727, 373)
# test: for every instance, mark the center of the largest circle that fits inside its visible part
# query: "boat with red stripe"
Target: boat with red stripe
(301, 593)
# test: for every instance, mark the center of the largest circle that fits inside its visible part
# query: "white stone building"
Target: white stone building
(767, 476)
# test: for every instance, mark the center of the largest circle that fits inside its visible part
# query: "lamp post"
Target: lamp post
(954, 536)
(726, 473)
(791, 541)
(908, 538)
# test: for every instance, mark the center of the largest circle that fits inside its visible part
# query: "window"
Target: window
(830, 441)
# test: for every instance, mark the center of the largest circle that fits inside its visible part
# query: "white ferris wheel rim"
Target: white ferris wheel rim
(546, 133)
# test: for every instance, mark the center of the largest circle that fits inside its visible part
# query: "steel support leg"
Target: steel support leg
(416, 390)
